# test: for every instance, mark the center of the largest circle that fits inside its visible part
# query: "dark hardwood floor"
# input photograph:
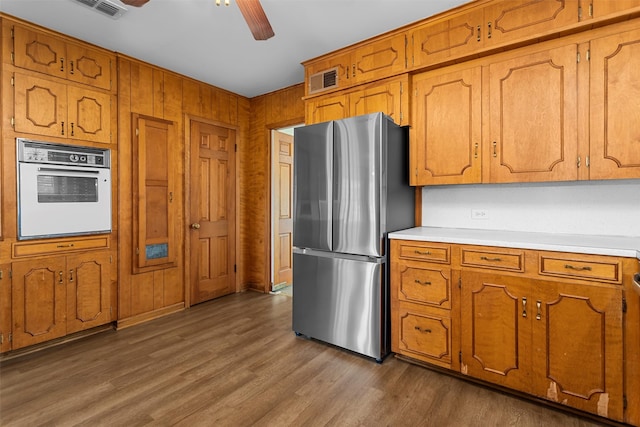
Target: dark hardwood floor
(234, 361)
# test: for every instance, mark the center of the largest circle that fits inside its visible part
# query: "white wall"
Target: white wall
(594, 207)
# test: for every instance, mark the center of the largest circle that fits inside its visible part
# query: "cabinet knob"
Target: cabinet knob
(195, 226)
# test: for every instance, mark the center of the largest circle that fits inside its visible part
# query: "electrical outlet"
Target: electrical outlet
(479, 214)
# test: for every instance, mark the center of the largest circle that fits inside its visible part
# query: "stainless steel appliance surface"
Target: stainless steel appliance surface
(350, 190)
(63, 190)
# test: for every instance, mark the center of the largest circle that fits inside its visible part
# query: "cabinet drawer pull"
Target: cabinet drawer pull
(489, 30)
(70, 275)
(573, 267)
(71, 67)
(62, 128)
(72, 133)
(419, 282)
(475, 151)
(62, 64)
(426, 331)
(423, 253)
(524, 307)
(60, 273)
(70, 245)
(539, 305)
(478, 38)
(484, 258)
(495, 154)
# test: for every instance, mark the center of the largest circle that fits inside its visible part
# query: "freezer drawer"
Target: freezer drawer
(342, 301)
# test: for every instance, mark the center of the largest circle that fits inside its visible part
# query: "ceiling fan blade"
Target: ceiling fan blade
(256, 19)
(136, 3)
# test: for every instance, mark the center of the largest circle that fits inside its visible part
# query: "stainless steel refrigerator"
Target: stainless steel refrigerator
(350, 189)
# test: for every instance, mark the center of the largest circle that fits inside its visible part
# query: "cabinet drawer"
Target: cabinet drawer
(511, 260)
(53, 247)
(430, 286)
(602, 269)
(426, 252)
(427, 336)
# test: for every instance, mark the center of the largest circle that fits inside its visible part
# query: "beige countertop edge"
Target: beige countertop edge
(621, 246)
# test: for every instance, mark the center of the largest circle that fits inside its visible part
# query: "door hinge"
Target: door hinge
(13, 122)
(460, 283)
(1, 274)
(110, 259)
(137, 251)
(10, 337)
(460, 357)
(137, 132)
(1, 339)
(235, 147)
(235, 270)
(579, 13)
(13, 81)
(624, 401)
(578, 57)
(624, 305)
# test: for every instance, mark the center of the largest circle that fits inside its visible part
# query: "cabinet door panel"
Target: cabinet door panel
(326, 109)
(452, 37)
(495, 330)
(426, 336)
(387, 97)
(533, 117)
(615, 94)
(38, 301)
(447, 129)
(89, 115)
(579, 362)
(40, 106)
(5, 308)
(88, 66)
(513, 19)
(602, 8)
(379, 59)
(39, 52)
(88, 296)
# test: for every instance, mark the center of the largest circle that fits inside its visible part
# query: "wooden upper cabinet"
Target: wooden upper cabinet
(614, 103)
(379, 59)
(389, 96)
(510, 20)
(532, 116)
(38, 51)
(447, 127)
(375, 60)
(46, 107)
(327, 108)
(454, 36)
(487, 25)
(603, 8)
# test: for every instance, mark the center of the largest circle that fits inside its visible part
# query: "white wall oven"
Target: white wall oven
(63, 190)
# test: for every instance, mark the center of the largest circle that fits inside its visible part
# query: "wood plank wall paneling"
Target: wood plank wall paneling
(270, 111)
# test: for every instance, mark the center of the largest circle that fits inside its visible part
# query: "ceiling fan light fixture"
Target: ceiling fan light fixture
(226, 2)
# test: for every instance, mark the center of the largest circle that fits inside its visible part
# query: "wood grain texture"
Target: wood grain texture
(208, 366)
(270, 111)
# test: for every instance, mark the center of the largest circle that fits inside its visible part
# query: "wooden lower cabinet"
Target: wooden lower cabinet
(5, 308)
(53, 297)
(548, 324)
(558, 341)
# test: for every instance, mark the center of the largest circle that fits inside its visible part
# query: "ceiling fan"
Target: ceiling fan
(251, 10)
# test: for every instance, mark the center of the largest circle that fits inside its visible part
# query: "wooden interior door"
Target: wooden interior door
(282, 209)
(212, 211)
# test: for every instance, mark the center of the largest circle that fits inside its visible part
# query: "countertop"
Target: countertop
(577, 243)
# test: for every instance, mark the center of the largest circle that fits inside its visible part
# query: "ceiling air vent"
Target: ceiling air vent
(323, 80)
(105, 7)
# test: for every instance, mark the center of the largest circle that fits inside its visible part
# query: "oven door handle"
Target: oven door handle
(68, 171)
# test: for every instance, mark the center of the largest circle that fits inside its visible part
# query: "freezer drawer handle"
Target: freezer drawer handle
(423, 253)
(420, 282)
(571, 267)
(426, 331)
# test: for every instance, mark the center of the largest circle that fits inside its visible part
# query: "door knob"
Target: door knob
(195, 225)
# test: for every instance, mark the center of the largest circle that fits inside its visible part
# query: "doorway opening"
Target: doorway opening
(282, 148)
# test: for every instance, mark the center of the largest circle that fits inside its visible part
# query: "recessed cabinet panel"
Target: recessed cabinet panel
(38, 301)
(89, 115)
(40, 106)
(326, 109)
(447, 133)
(427, 336)
(533, 117)
(88, 291)
(614, 91)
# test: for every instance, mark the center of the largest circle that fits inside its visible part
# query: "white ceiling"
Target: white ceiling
(213, 44)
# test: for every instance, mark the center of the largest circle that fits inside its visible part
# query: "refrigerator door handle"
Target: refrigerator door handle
(327, 254)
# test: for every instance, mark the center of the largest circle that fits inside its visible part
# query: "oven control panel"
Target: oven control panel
(61, 154)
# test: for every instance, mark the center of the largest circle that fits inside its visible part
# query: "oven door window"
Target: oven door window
(67, 189)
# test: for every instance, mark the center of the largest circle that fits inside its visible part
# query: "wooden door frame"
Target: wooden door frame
(269, 128)
(188, 119)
